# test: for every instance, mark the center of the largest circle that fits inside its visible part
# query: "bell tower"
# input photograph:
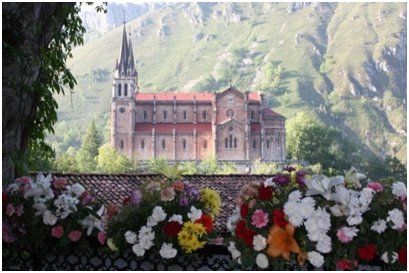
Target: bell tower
(124, 88)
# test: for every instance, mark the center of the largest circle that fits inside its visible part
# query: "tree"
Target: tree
(208, 166)
(228, 168)
(190, 167)
(89, 149)
(111, 161)
(66, 162)
(155, 165)
(264, 167)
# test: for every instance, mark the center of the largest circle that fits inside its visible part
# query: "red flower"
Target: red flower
(244, 209)
(347, 264)
(240, 228)
(245, 233)
(172, 228)
(126, 201)
(112, 210)
(206, 221)
(367, 253)
(278, 218)
(265, 193)
(402, 256)
(248, 237)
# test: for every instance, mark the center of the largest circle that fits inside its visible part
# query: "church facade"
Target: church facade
(231, 124)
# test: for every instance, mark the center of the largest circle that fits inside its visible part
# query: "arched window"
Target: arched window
(121, 144)
(184, 115)
(279, 138)
(163, 144)
(254, 144)
(165, 115)
(268, 144)
(119, 90)
(226, 143)
(125, 90)
(143, 144)
(204, 115)
(145, 114)
(235, 142)
(252, 114)
(205, 144)
(230, 141)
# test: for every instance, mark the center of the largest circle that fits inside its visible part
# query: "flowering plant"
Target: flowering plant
(327, 222)
(49, 212)
(170, 217)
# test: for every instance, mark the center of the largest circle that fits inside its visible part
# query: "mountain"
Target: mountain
(344, 63)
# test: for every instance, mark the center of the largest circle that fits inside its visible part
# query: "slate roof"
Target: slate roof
(113, 188)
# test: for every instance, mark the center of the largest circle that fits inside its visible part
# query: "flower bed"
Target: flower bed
(327, 222)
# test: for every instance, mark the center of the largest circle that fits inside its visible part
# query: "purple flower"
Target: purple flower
(136, 197)
(300, 177)
(183, 202)
(281, 180)
(8, 236)
(87, 198)
(289, 169)
(192, 191)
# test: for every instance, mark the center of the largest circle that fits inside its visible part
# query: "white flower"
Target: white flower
(167, 251)
(323, 218)
(354, 218)
(269, 182)
(379, 226)
(92, 222)
(320, 184)
(307, 207)
(146, 243)
(13, 187)
(41, 188)
(177, 218)
(259, 242)
(138, 250)
(146, 232)
(262, 261)
(233, 250)
(65, 205)
(399, 189)
(158, 215)
(290, 208)
(111, 245)
(393, 257)
(77, 189)
(295, 196)
(352, 178)
(130, 237)
(40, 207)
(296, 219)
(396, 217)
(365, 198)
(315, 258)
(324, 244)
(194, 214)
(49, 218)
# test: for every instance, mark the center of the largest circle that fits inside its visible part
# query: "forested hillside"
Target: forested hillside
(343, 64)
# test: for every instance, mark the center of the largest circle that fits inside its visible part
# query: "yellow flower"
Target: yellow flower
(111, 244)
(188, 237)
(211, 200)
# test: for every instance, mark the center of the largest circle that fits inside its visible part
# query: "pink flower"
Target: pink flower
(10, 210)
(60, 183)
(57, 232)
(75, 235)
(259, 218)
(179, 186)
(19, 210)
(24, 183)
(377, 187)
(102, 237)
(167, 194)
(346, 234)
(8, 236)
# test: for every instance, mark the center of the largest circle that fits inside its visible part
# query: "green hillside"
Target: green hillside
(343, 63)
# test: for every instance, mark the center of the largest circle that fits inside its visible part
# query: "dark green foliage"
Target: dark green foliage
(89, 149)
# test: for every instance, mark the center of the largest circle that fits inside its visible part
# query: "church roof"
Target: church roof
(270, 113)
(253, 96)
(168, 127)
(170, 96)
(113, 188)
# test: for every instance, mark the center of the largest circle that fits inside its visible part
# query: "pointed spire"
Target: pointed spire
(125, 66)
(131, 61)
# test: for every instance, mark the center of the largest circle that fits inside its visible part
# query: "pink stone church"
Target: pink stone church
(231, 124)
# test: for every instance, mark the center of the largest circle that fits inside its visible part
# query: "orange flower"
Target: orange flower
(281, 242)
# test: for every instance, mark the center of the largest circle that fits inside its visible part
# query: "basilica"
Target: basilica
(229, 124)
